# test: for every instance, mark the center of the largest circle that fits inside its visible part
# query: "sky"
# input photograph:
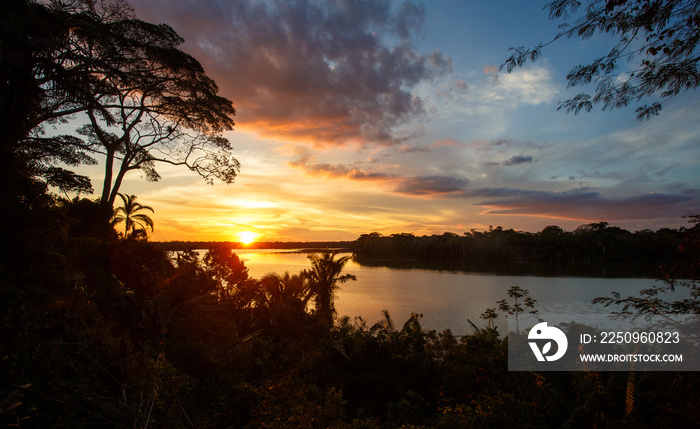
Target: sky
(356, 116)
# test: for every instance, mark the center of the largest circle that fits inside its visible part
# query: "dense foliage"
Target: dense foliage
(589, 247)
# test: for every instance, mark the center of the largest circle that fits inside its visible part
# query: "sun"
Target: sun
(247, 237)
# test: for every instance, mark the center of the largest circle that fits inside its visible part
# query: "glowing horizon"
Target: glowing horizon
(247, 237)
(383, 130)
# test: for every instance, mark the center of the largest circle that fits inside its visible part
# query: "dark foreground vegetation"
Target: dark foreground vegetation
(98, 330)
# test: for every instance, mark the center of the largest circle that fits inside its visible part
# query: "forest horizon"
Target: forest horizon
(584, 250)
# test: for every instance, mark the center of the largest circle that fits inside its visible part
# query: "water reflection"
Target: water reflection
(447, 298)
(518, 268)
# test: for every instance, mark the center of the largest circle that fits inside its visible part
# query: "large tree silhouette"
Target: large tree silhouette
(656, 54)
(141, 98)
(161, 108)
(31, 34)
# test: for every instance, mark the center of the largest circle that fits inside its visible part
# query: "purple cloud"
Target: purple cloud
(585, 204)
(431, 185)
(309, 70)
(517, 159)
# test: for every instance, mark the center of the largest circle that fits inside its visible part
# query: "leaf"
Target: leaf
(546, 348)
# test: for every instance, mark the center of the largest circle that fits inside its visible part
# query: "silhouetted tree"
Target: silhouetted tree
(143, 99)
(233, 283)
(517, 308)
(285, 303)
(30, 35)
(31, 68)
(44, 76)
(87, 218)
(161, 107)
(324, 278)
(682, 275)
(657, 41)
(135, 223)
(286, 290)
(489, 315)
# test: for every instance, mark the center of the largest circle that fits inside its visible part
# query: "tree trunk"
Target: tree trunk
(107, 185)
(118, 182)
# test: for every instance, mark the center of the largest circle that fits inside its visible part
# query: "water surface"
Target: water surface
(447, 299)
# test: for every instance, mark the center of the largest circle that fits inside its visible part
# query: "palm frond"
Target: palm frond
(128, 213)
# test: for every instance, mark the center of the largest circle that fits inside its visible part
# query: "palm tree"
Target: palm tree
(134, 223)
(324, 278)
(285, 289)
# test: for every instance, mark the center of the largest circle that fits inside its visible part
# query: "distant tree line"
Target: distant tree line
(589, 244)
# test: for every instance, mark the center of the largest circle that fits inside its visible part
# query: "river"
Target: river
(447, 299)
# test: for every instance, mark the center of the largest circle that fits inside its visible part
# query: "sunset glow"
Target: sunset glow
(247, 237)
(407, 124)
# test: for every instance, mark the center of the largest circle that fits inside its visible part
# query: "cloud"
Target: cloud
(501, 145)
(412, 149)
(444, 142)
(524, 86)
(582, 204)
(409, 19)
(310, 70)
(513, 160)
(453, 90)
(491, 70)
(420, 186)
(585, 204)
(431, 185)
(306, 162)
(517, 159)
